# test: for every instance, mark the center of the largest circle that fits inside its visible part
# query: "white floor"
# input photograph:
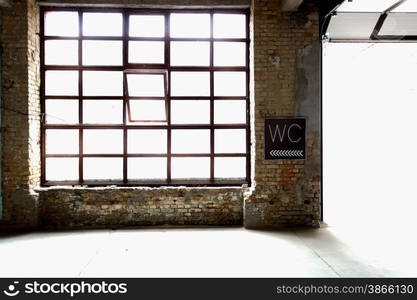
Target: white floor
(209, 252)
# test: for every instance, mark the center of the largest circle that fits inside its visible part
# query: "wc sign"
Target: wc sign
(285, 138)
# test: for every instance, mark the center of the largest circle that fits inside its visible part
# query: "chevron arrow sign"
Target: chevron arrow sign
(285, 138)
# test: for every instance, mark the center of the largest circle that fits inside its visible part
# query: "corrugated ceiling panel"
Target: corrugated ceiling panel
(352, 25)
(400, 24)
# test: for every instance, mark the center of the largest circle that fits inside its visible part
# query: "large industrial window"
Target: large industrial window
(145, 97)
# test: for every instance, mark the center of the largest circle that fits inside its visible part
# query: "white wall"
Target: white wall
(370, 134)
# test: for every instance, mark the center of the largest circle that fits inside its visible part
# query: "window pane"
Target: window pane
(230, 84)
(61, 111)
(229, 54)
(190, 53)
(229, 167)
(61, 23)
(190, 84)
(61, 83)
(190, 112)
(102, 24)
(147, 141)
(147, 110)
(61, 169)
(96, 168)
(147, 52)
(140, 168)
(190, 141)
(147, 26)
(61, 52)
(103, 111)
(102, 53)
(103, 141)
(102, 83)
(144, 85)
(190, 168)
(230, 141)
(229, 112)
(190, 25)
(229, 26)
(63, 141)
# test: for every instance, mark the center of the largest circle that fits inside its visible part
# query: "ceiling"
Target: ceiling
(373, 20)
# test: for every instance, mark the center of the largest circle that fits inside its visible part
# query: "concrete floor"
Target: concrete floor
(209, 252)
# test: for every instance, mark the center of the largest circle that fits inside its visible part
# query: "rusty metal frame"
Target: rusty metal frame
(138, 68)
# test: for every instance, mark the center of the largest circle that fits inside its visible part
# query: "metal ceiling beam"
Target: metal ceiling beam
(290, 5)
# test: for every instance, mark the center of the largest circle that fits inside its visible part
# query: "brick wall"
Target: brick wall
(285, 82)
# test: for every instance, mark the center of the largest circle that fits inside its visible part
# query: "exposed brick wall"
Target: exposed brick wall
(285, 77)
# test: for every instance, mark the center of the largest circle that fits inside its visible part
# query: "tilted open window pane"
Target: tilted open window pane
(190, 53)
(146, 85)
(61, 23)
(229, 54)
(102, 53)
(146, 26)
(229, 26)
(61, 52)
(103, 83)
(190, 141)
(103, 169)
(63, 141)
(230, 111)
(190, 25)
(61, 169)
(230, 140)
(102, 111)
(103, 141)
(61, 83)
(187, 168)
(144, 141)
(229, 83)
(61, 111)
(145, 168)
(102, 24)
(146, 52)
(190, 84)
(190, 112)
(229, 167)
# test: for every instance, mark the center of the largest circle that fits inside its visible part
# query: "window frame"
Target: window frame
(127, 67)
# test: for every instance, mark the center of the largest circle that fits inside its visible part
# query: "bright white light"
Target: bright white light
(62, 141)
(190, 141)
(190, 53)
(147, 168)
(61, 83)
(146, 141)
(229, 54)
(230, 141)
(102, 24)
(190, 25)
(103, 168)
(61, 23)
(102, 53)
(190, 112)
(366, 5)
(229, 83)
(61, 111)
(190, 168)
(102, 83)
(61, 52)
(407, 6)
(190, 84)
(103, 141)
(102, 111)
(147, 52)
(147, 26)
(229, 26)
(60, 169)
(143, 85)
(229, 167)
(229, 112)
